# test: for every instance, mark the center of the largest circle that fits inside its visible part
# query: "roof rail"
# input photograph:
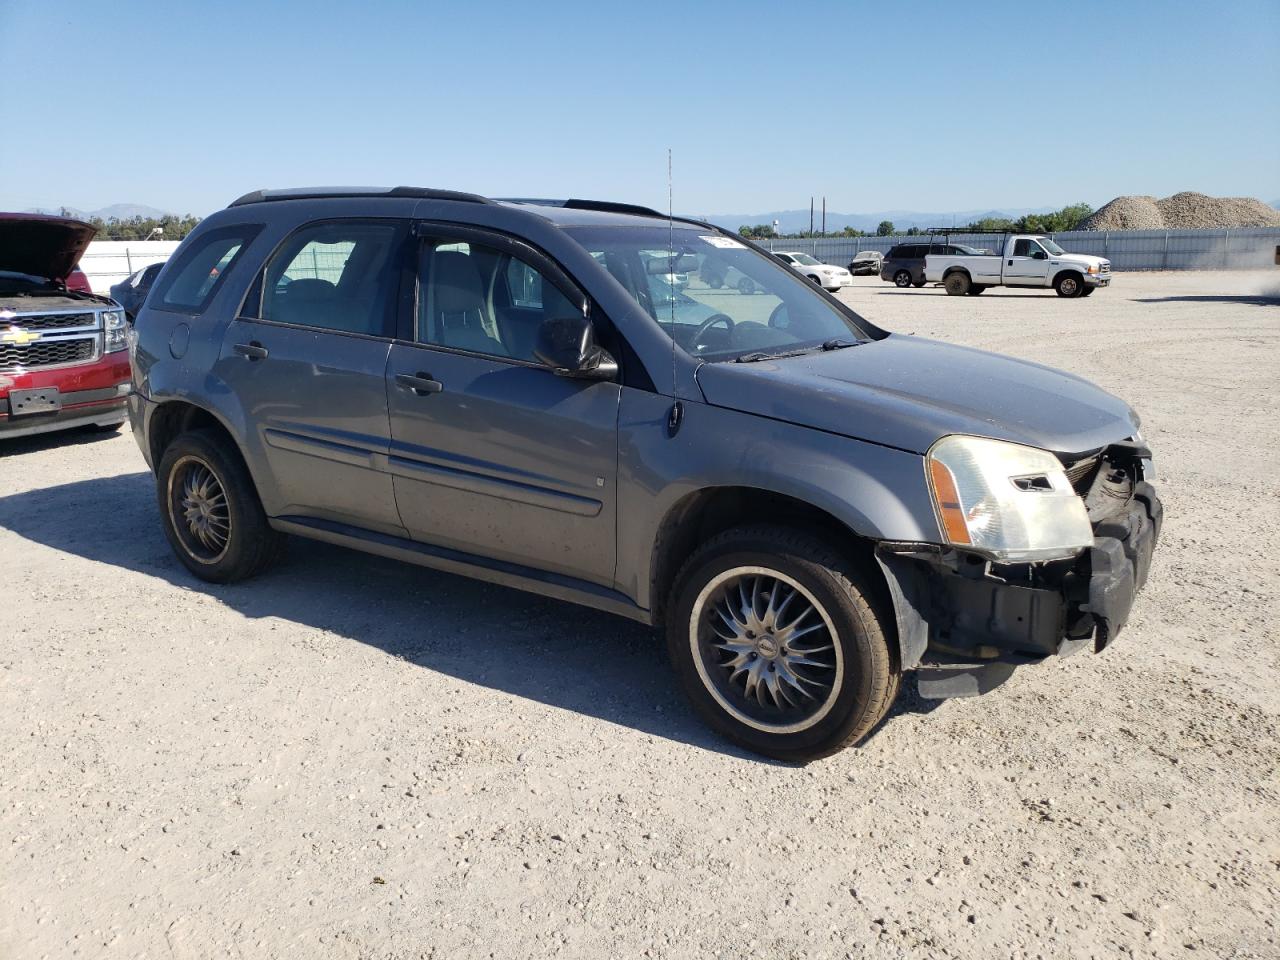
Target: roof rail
(330, 193)
(602, 206)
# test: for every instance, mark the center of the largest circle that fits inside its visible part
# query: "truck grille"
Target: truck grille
(54, 321)
(48, 353)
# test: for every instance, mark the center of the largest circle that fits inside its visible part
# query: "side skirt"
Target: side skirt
(465, 564)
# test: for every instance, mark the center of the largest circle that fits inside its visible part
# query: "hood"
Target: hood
(1082, 259)
(41, 246)
(907, 392)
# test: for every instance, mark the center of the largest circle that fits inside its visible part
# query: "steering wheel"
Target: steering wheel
(710, 322)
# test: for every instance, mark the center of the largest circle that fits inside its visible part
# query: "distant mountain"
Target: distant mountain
(117, 211)
(795, 221)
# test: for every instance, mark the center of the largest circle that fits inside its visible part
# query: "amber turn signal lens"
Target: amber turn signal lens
(948, 501)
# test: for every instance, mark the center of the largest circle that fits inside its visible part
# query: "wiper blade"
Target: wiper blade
(837, 343)
(759, 355)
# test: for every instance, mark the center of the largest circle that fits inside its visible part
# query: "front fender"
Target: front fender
(877, 492)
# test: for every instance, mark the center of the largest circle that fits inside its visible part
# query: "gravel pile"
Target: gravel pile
(1182, 211)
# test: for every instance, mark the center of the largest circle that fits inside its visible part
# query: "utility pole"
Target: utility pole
(811, 216)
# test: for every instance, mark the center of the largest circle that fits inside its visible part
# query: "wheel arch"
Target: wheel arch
(1065, 271)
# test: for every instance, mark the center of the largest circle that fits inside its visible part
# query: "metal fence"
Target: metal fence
(1243, 249)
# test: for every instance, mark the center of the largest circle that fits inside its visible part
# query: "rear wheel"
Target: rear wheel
(1069, 285)
(957, 284)
(976, 289)
(902, 278)
(779, 644)
(210, 510)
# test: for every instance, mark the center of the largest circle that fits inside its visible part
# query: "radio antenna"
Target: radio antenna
(677, 408)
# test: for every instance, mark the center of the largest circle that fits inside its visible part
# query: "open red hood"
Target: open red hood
(41, 246)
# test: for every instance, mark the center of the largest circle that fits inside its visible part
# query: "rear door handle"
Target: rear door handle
(420, 383)
(251, 351)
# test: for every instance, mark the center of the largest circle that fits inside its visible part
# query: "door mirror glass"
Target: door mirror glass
(567, 345)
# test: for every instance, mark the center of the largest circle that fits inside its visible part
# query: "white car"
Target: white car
(823, 274)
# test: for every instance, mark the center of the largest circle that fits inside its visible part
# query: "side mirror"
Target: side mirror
(568, 346)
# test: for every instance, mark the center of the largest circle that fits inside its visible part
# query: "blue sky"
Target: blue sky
(879, 106)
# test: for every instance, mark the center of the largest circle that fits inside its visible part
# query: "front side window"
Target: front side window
(339, 275)
(1025, 247)
(484, 300)
(735, 302)
(202, 267)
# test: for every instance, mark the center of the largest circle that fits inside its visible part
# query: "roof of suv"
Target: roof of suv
(561, 212)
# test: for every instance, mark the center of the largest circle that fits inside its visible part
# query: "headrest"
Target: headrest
(306, 288)
(456, 280)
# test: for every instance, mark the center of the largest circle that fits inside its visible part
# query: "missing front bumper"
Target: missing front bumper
(964, 623)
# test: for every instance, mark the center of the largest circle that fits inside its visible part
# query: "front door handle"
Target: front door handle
(251, 351)
(420, 383)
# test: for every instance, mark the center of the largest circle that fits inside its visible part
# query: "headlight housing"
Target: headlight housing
(114, 331)
(1006, 501)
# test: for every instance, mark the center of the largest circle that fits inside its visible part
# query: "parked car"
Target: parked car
(1028, 260)
(132, 291)
(716, 274)
(809, 505)
(63, 361)
(77, 280)
(823, 274)
(903, 265)
(867, 262)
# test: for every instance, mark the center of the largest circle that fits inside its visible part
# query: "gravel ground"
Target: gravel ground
(353, 758)
(1182, 211)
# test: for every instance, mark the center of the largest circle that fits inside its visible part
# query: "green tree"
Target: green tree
(885, 229)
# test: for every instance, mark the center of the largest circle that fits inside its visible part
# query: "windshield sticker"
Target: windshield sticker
(724, 243)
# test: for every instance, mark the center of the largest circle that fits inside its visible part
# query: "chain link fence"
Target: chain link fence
(1241, 249)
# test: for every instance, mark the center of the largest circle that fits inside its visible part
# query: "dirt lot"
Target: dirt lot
(353, 758)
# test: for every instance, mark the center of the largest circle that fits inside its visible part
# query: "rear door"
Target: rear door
(307, 359)
(1027, 264)
(492, 453)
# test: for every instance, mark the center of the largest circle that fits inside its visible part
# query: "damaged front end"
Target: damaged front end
(965, 621)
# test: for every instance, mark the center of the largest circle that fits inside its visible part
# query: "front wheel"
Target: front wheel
(902, 278)
(779, 643)
(1087, 291)
(1069, 285)
(210, 510)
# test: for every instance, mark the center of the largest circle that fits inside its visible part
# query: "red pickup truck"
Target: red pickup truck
(64, 360)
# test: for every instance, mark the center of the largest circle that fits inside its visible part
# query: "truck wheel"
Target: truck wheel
(778, 642)
(210, 510)
(918, 283)
(976, 289)
(1087, 291)
(902, 278)
(957, 284)
(1069, 285)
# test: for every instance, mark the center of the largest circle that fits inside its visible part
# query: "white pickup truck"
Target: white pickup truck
(1028, 261)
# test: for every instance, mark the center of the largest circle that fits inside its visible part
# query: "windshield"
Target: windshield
(805, 259)
(736, 301)
(1052, 247)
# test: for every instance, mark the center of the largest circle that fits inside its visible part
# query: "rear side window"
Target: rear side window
(338, 275)
(194, 279)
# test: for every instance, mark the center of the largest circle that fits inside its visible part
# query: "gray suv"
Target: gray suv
(806, 504)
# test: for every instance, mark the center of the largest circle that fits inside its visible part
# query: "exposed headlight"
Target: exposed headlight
(114, 331)
(1006, 501)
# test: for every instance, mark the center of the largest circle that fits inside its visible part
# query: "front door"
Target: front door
(493, 454)
(307, 360)
(1028, 265)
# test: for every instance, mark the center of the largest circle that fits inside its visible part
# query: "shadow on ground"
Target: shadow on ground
(1257, 299)
(556, 653)
(58, 438)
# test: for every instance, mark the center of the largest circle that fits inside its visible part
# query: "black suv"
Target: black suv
(903, 265)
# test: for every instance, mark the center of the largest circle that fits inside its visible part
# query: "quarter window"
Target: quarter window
(339, 275)
(484, 300)
(202, 267)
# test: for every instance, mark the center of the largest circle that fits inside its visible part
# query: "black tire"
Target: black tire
(1068, 284)
(248, 544)
(817, 280)
(865, 677)
(902, 278)
(957, 284)
(976, 289)
(918, 283)
(1087, 291)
